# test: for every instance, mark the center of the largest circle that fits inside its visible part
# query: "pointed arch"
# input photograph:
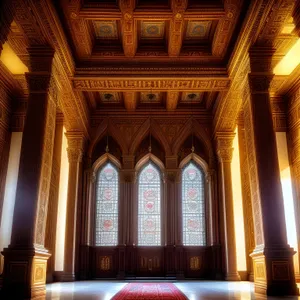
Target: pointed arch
(194, 157)
(193, 194)
(150, 200)
(193, 126)
(149, 157)
(107, 202)
(100, 133)
(155, 131)
(103, 159)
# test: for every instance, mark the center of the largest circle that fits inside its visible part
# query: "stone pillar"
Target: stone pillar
(224, 152)
(75, 152)
(7, 10)
(26, 258)
(272, 257)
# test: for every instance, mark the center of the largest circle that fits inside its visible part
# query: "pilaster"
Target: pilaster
(75, 152)
(224, 152)
(247, 201)
(272, 257)
(26, 257)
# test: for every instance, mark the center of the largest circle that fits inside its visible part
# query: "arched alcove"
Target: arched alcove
(100, 148)
(156, 149)
(185, 149)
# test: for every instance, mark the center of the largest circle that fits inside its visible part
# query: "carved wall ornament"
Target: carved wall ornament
(146, 84)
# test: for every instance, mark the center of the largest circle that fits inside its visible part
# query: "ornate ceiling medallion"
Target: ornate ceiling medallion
(152, 29)
(198, 29)
(106, 29)
(110, 97)
(195, 97)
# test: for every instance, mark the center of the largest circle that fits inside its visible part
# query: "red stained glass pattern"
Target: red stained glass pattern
(107, 198)
(149, 202)
(193, 206)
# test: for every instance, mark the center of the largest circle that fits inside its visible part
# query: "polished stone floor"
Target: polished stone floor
(194, 290)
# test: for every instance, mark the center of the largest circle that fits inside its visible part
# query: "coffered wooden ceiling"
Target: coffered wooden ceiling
(166, 56)
(197, 31)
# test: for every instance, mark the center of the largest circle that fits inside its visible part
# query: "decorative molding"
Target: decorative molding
(115, 83)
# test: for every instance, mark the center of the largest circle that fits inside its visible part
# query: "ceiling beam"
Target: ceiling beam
(129, 30)
(176, 27)
(172, 100)
(78, 28)
(130, 100)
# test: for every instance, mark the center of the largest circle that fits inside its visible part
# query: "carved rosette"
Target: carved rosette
(224, 147)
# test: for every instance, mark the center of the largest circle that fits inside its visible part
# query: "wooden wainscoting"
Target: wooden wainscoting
(170, 261)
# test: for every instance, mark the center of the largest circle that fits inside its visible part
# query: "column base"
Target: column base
(67, 277)
(232, 277)
(251, 277)
(25, 272)
(274, 271)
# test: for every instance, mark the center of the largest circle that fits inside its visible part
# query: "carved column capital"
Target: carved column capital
(224, 146)
(75, 146)
(128, 161)
(172, 175)
(261, 59)
(41, 59)
(260, 83)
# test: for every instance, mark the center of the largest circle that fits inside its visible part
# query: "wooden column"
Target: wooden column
(26, 258)
(272, 257)
(126, 258)
(224, 152)
(75, 152)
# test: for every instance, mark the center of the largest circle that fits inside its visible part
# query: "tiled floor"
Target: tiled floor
(194, 290)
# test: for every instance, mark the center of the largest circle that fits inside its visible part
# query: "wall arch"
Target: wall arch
(155, 131)
(192, 126)
(102, 131)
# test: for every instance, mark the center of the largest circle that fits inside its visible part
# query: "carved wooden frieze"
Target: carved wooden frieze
(113, 83)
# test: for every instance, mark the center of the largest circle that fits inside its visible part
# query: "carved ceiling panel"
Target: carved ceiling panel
(198, 30)
(106, 30)
(150, 30)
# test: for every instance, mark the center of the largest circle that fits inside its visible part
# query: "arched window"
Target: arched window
(193, 205)
(107, 199)
(149, 206)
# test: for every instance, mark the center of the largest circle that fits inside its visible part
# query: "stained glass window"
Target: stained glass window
(107, 198)
(149, 228)
(193, 206)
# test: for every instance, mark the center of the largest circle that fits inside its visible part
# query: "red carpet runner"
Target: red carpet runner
(149, 291)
